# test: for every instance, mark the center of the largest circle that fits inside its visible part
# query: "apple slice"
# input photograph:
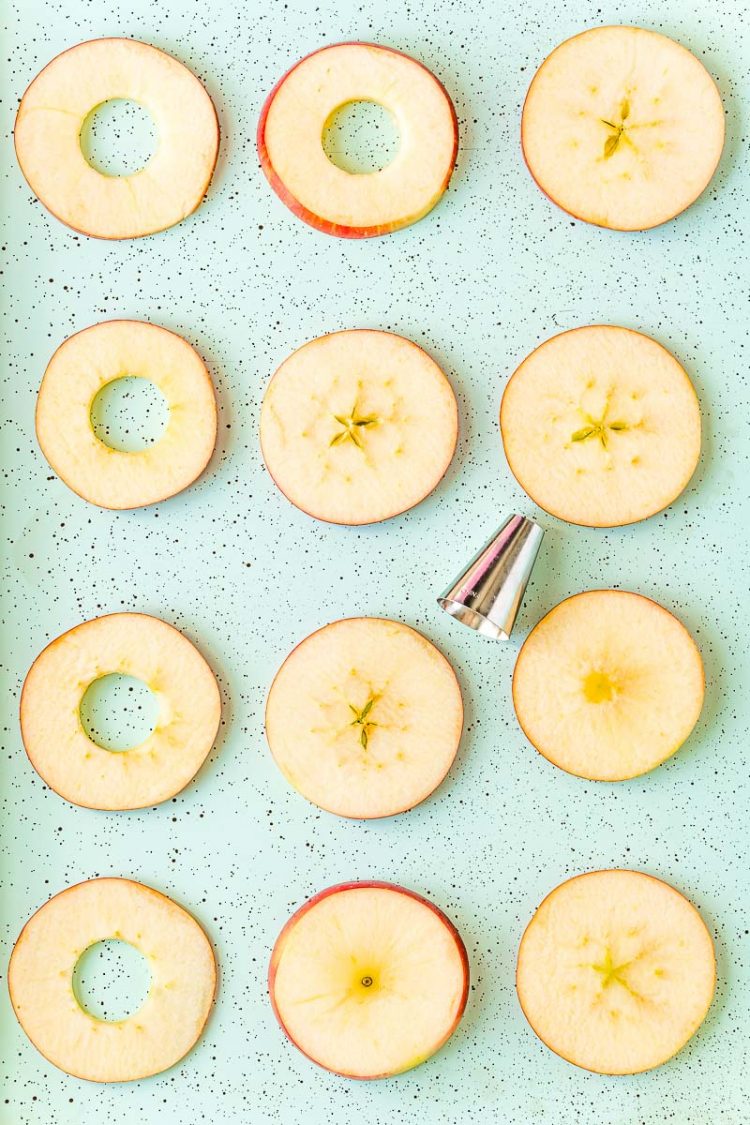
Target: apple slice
(608, 685)
(616, 971)
(290, 140)
(183, 981)
(364, 717)
(358, 426)
(102, 354)
(48, 129)
(622, 127)
(130, 644)
(368, 979)
(601, 426)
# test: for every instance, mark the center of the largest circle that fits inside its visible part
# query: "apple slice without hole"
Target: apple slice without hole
(601, 426)
(368, 979)
(358, 426)
(622, 127)
(608, 685)
(616, 971)
(295, 115)
(181, 992)
(48, 130)
(364, 717)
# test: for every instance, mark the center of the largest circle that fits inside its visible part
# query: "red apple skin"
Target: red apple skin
(565, 882)
(189, 484)
(398, 511)
(123, 237)
(398, 812)
(286, 197)
(366, 884)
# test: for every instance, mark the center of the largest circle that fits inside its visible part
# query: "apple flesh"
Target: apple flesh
(358, 426)
(87, 362)
(608, 685)
(601, 426)
(622, 127)
(616, 971)
(368, 979)
(132, 644)
(364, 717)
(293, 120)
(53, 111)
(170, 1021)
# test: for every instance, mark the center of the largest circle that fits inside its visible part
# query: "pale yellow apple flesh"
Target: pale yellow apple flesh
(358, 426)
(131, 644)
(368, 980)
(622, 127)
(183, 981)
(608, 685)
(616, 971)
(295, 116)
(53, 111)
(87, 362)
(601, 426)
(364, 717)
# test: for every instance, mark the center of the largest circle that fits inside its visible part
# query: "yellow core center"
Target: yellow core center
(598, 688)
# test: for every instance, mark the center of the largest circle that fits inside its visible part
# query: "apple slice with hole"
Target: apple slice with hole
(616, 971)
(358, 426)
(608, 685)
(364, 717)
(298, 109)
(601, 426)
(368, 979)
(622, 127)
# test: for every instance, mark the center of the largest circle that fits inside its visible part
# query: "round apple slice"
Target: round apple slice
(622, 127)
(358, 426)
(183, 981)
(350, 205)
(102, 354)
(601, 426)
(130, 644)
(364, 717)
(616, 971)
(48, 129)
(608, 685)
(368, 979)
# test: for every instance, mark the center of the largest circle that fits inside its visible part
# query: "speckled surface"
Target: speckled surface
(490, 273)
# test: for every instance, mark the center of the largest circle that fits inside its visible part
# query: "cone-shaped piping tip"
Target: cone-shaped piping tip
(489, 592)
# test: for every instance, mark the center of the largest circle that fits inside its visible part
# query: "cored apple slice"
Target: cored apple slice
(601, 426)
(102, 354)
(622, 127)
(350, 205)
(364, 717)
(608, 685)
(48, 129)
(358, 426)
(132, 644)
(170, 1021)
(616, 971)
(368, 979)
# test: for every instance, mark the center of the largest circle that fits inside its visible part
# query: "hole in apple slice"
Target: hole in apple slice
(111, 980)
(361, 137)
(129, 414)
(118, 712)
(118, 137)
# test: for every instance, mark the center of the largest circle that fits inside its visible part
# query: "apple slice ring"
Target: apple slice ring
(364, 717)
(102, 354)
(616, 971)
(53, 111)
(170, 1021)
(132, 644)
(341, 203)
(358, 426)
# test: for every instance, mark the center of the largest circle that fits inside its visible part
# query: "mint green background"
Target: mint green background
(490, 273)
